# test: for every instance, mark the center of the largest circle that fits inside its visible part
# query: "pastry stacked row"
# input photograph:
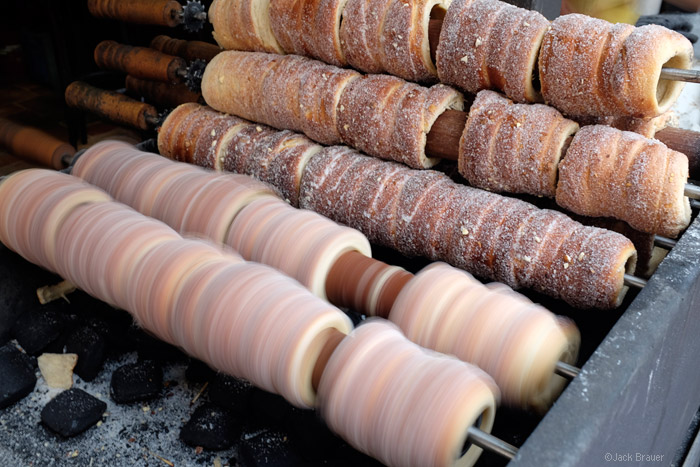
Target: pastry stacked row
(579, 64)
(504, 146)
(379, 36)
(270, 231)
(425, 213)
(381, 115)
(179, 289)
(598, 171)
(250, 321)
(227, 209)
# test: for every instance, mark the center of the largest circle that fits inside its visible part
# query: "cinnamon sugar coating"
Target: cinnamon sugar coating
(486, 234)
(309, 27)
(286, 92)
(591, 67)
(514, 148)
(612, 173)
(243, 25)
(387, 117)
(489, 44)
(390, 36)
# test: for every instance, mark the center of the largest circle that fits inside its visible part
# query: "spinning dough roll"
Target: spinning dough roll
(488, 44)
(267, 329)
(515, 341)
(513, 148)
(309, 27)
(243, 25)
(286, 92)
(591, 67)
(387, 117)
(390, 36)
(488, 235)
(400, 404)
(34, 203)
(612, 173)
(302, 244)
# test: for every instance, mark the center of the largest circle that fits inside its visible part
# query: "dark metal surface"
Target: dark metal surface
(637, 395)
(549, 8)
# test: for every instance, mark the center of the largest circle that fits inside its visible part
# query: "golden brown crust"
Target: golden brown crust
(390, 36)
(243, 25)
(591, 67)
(515, 148)
(486, 234)
(309, 27)
(286, 92)
(389, 118)
(611, 173)
(488, 44)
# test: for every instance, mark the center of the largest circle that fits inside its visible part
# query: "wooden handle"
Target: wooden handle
(685, 141)
(161, 94)
(189, 50)
(140, 62)
(110, 105)
(34, 145)
(159, 12)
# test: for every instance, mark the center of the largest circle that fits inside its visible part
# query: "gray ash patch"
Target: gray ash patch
(131, 434)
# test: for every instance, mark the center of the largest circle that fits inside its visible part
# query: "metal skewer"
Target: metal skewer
(692, 191)
(634, 281)
(566, 370)
(664, 242)
(489, 442)
(677, 74)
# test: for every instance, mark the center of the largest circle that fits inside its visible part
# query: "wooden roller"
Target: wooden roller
(158, 12)
(140, 62)
(189, 50)
(160, 93)
(111, 105)
(34, 145)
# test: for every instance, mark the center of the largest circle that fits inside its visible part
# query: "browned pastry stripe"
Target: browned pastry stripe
(514, 148)
(591, 67)
(390, 36)
(390, 118)
(243, 25)
(287, 92)
(612, 173)
(488, 44)
(491, 236)
(309, 27)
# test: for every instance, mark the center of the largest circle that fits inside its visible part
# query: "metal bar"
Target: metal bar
(694, 204)
(692, 191)
(633, 281)
(491, 443)
(676, 74)
(664, 242)
(566, 370)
